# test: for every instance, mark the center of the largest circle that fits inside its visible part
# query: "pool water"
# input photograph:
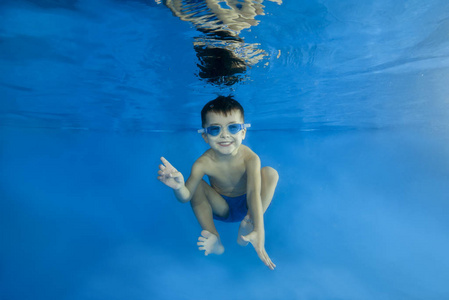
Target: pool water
(348, 101)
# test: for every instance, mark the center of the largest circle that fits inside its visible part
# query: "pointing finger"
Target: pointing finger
(165, 162)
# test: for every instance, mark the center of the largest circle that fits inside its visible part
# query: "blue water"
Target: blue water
(348, 102)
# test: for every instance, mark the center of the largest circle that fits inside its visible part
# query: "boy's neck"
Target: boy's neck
(226, 157)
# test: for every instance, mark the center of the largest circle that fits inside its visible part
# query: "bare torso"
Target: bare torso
(228, 177)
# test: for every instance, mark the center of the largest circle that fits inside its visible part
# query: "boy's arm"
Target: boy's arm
(174, 179)
(185, 193)
(253, 189)
(257, 236)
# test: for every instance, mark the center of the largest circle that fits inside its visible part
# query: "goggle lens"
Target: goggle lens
(232, 129)
(213, 130)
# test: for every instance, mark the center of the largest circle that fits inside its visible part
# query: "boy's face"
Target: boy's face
(224, 143)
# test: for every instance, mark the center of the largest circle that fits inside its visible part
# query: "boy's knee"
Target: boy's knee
(270, 174)
(199, 194)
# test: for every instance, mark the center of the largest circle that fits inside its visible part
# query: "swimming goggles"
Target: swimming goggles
(215, 130)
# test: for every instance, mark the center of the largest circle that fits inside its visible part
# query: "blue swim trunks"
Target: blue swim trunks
(238, 209)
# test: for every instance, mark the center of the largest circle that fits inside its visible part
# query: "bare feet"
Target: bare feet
(210, 243)
(246, 226)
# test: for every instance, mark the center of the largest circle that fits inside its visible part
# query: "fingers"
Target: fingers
(162, 175)
(161, 171)
(266, 260)
(166, 170)
(169, 174)
(166, 163)
(260, 251)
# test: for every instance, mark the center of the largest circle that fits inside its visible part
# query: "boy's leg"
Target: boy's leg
(269, 182)
(205, 202)
(270, 178)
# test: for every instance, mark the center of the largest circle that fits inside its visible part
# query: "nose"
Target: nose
(224, 132)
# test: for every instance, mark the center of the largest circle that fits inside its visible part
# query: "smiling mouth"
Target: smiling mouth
(225, 144)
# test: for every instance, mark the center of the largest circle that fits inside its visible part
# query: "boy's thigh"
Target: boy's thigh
(219, 205)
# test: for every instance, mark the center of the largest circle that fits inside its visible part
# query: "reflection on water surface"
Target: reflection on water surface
(223, 55)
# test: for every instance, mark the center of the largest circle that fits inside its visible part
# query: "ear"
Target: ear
(204, 135)
(243, 134)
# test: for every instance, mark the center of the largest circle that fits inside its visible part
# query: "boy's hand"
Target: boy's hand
(258, 242)
(169, 175)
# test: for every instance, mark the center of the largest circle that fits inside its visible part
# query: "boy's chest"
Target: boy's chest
(228, 174)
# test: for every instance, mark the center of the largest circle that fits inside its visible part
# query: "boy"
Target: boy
(239, 190)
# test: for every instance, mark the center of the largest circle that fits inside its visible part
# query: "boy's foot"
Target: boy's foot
(210, 243)
(246, 226)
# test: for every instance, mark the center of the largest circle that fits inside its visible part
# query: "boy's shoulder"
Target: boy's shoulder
(204, 159)
(248, 153)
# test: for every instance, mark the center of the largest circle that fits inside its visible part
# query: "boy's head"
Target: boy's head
(221, 105)
(223, 120)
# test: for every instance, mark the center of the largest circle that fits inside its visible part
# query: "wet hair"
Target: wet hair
(221, 105)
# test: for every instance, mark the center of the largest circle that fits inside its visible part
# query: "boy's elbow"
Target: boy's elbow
(183, 196)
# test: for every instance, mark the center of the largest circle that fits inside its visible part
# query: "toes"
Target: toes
(206, 233)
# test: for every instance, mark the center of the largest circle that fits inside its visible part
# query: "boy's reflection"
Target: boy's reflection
(223, 55)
